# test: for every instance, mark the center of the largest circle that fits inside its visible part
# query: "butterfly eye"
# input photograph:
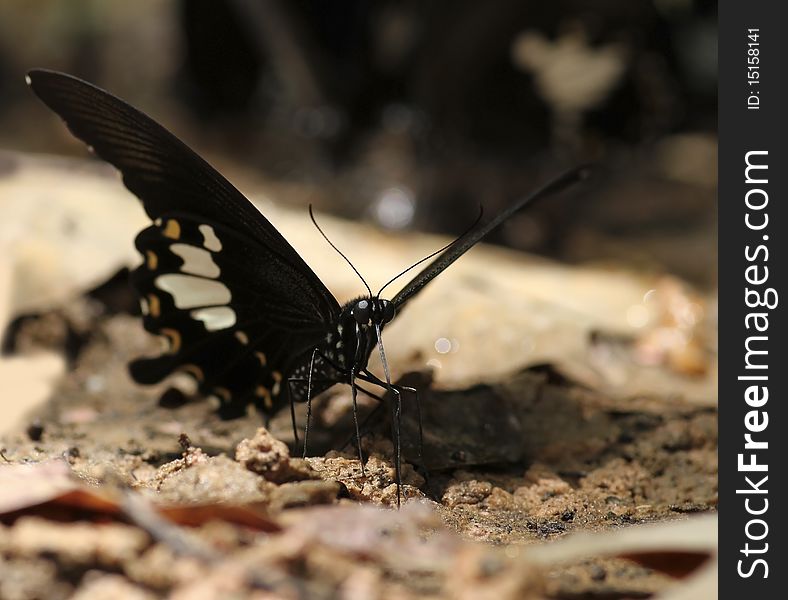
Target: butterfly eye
(362, 311)
(388, 310)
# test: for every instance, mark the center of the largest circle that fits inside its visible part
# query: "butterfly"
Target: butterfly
(238, 308)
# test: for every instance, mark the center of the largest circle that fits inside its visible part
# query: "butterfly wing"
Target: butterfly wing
(470, 239)
(220, 320)
(234, 300)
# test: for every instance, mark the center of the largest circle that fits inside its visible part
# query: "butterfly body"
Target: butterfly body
(344, 352)
(237, 307)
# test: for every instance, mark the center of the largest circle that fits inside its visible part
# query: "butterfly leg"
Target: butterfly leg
(396, 424)
(370, 378)
(396, 432)
(309, 399)
(415, 392)
(397, 390)
(353, 393)
(375, 411)
(292, 410)
(420, 449)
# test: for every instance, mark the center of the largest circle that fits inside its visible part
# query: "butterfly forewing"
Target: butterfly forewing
(168, 176)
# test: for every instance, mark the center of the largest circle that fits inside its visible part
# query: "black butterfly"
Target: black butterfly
(240, 310)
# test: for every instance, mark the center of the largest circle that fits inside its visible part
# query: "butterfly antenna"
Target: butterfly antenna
(416, 264)
(330, 243)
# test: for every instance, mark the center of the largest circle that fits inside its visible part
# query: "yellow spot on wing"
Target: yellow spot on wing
(173, 337)
(173, 229)
(154, 306)
(265, 395)
(153, 260)
(242, 337)
(277, 378)
(261, 357)
(194, 371)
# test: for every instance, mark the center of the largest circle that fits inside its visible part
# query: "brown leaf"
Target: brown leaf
(24, 486)
(193, 516)
(49, 490)
(675, 564)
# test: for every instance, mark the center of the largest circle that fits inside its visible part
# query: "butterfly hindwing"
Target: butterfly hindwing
(234, 333)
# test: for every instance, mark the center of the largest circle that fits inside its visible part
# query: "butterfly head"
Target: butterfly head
(373, 311)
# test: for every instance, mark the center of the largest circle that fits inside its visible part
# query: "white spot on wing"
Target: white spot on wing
(210, 240)
(217, 317)
(28, 81)
(189, 292)
(144, 306)
(196, 260)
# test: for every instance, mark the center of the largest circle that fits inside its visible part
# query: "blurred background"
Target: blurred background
(410, 114)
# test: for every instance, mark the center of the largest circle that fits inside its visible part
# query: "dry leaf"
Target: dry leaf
(24, 486)
(49, 489)
(679, 548)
